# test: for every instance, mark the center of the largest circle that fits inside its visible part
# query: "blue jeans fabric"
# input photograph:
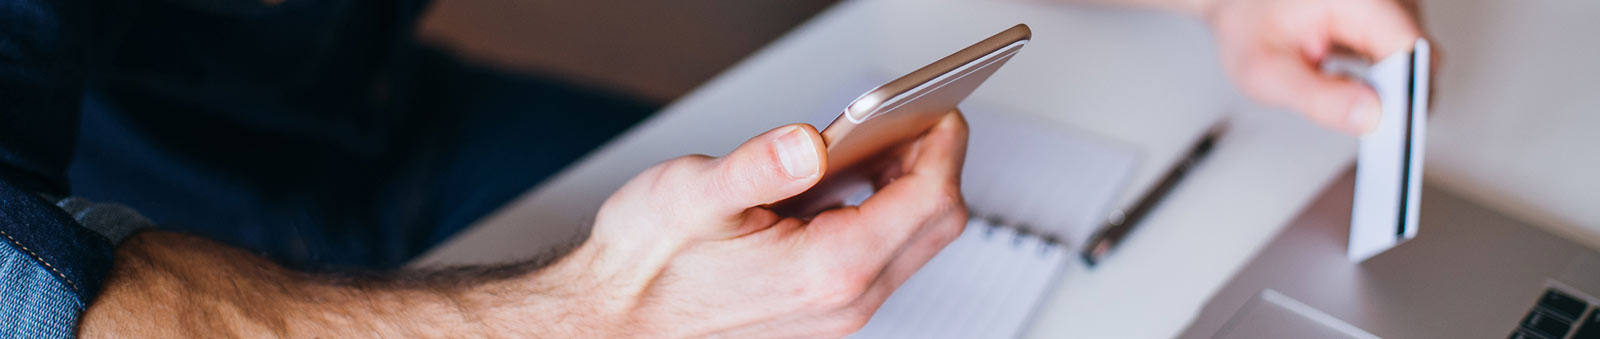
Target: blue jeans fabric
(33, 303)
(50, 267)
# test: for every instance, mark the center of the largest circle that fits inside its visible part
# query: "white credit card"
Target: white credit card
(1389, 163)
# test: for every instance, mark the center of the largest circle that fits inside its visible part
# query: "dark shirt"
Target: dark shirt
(315, 132)
(288, 74)
(245, 121)
(176, 106)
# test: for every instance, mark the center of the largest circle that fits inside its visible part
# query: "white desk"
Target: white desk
(1149, 79)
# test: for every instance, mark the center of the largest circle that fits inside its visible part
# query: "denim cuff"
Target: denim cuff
(114, 221)
(51, 267)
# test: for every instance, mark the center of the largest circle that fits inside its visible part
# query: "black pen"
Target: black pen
(1120, 222)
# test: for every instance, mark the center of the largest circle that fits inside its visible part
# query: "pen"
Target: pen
(1120, 221)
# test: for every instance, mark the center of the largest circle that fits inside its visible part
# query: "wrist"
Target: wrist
(575, 296)
(559, 300)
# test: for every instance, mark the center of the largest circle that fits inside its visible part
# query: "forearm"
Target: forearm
(171, 285)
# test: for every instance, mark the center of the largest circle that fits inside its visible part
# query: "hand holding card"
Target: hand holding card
(1389, 165)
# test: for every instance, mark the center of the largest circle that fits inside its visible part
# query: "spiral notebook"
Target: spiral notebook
(984, 285)
(1036, 191)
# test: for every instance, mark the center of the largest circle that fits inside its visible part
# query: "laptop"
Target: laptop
(1473, 274)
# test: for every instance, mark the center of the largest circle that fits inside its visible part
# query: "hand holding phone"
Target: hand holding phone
(875, 127)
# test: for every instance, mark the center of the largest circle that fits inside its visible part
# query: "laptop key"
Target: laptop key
(1541, 323)
(1562, 305)
(1589, 328)
(1522, 333)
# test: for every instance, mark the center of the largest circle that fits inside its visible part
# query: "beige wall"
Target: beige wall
(655, 50)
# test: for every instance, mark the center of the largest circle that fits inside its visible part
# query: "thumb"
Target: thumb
(1339, 103)
(770, 167)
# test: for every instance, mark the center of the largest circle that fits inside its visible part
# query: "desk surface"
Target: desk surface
(1145, 78)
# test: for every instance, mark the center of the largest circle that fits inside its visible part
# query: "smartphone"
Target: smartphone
(868, 137)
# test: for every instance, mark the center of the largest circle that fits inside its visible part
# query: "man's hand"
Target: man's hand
(683, 250)
(1272, 49)
(686, 250)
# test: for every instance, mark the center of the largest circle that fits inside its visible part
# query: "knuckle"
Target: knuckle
(835, 288)
(957, 207)
(676, 170)
(949, 231)
(830, 295)
(948, 217)
(946, 200)
(670, 178)
(849, 322)
(730, 178)
(684, 165)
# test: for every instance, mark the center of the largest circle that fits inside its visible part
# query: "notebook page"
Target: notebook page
(1027, 171)
(982, 286)
(1043, 177)
(1021, 173)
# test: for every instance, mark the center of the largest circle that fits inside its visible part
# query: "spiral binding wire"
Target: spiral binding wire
(991, 222)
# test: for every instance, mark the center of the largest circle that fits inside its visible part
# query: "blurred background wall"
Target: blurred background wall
(653, 50)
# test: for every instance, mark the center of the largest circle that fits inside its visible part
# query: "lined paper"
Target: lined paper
(1026, 180)
(983, 285)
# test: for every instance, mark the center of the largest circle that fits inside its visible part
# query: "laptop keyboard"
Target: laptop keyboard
(1558, 314)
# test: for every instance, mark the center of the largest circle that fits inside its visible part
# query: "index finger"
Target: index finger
(868, 237)
(929, 189)
(942, 151)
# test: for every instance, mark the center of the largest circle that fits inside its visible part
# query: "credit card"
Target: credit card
(1389, 163)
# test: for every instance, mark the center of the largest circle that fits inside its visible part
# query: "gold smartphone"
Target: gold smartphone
(877, 126)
